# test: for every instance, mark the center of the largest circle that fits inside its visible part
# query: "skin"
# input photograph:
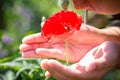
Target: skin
(103, 63)
(102, 44)
(35, 46)
(99, 6)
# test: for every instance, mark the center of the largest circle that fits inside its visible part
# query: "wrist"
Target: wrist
(98, 34)
(111, 34)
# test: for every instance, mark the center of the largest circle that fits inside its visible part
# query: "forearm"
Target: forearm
(111, 34)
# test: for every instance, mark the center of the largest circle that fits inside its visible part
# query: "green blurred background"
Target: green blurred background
(19, 18)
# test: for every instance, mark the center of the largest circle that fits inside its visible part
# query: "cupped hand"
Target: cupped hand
(35, 46)
(105, 59)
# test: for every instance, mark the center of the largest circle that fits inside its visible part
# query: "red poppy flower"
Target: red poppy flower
(60, 23)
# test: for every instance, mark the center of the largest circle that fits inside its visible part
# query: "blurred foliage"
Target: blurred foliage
(23, 69)
(22, 18)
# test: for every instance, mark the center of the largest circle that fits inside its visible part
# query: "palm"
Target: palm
(79, 44)
(76, 49)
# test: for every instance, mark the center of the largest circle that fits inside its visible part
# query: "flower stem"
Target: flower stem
(67, 51)
(85, 16)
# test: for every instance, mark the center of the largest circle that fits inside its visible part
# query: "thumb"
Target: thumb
(97, 64)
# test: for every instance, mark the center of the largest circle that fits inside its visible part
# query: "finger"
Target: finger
(97, 64)
(46, 64)
(48, 74)
(44, 53)
(30, 54)
(92, 75)
(35, 38)
(103, 59)
(49, 64)
(50, 53)
(27, 47)
(62, 72)
(65, 71)
(57, 75)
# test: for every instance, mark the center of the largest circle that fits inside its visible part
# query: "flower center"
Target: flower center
(67, 27)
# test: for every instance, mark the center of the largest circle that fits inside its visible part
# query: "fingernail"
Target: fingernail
(29, 54)
(47, 74)
(44, 63)
(38, 50)
(24, 55)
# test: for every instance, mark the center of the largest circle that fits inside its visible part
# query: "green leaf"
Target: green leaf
(9, 75)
